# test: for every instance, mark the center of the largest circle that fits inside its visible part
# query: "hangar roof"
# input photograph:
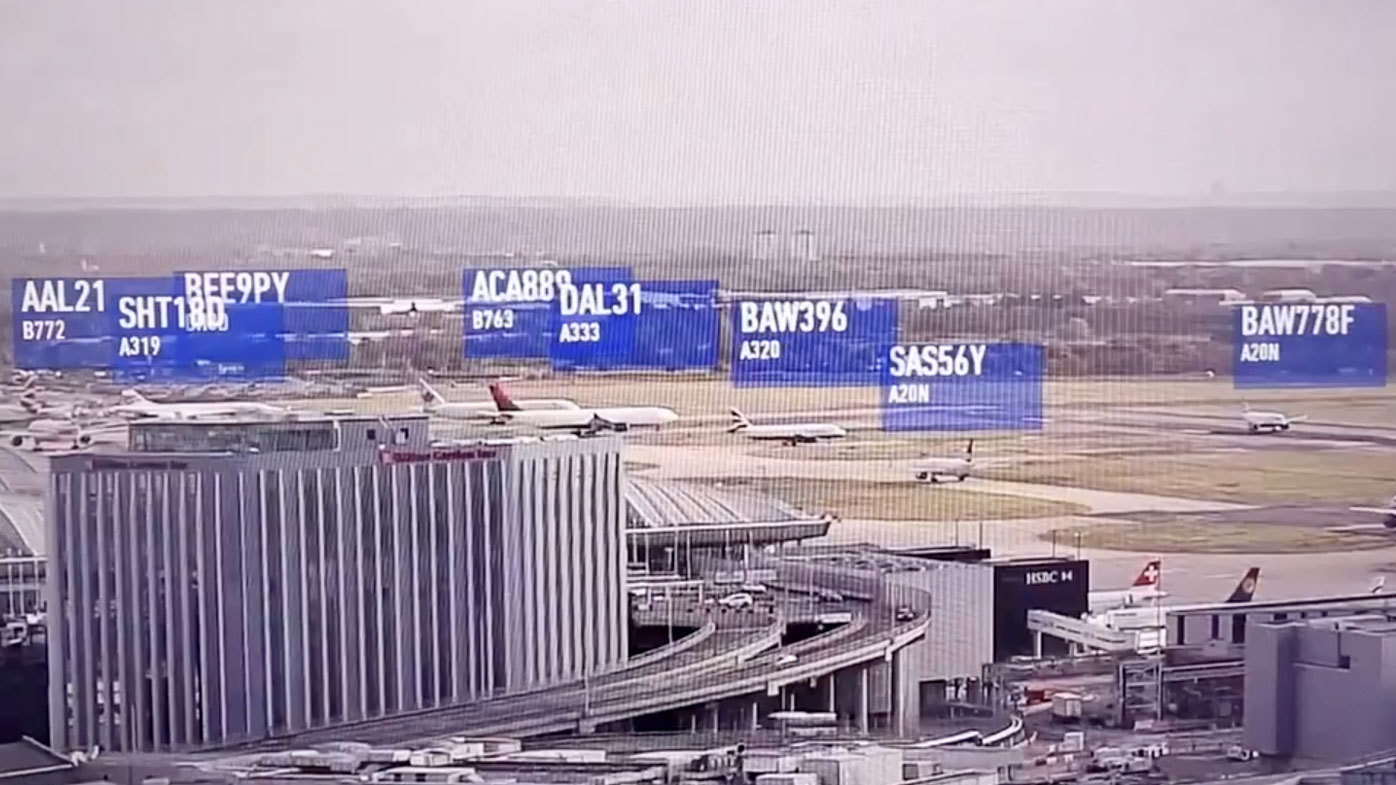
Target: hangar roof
(651, 503)
(656, 503)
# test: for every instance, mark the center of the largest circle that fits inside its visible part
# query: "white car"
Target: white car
(738, 600)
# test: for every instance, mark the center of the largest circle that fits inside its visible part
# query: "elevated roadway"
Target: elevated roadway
(721, 664)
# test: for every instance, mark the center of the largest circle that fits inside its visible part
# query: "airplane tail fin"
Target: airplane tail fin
(1379, 586)
(969, 450)
(1149, 576)
(130, 395)
(739, 420)
(429, 393)
(502, 401)
(1245, 590)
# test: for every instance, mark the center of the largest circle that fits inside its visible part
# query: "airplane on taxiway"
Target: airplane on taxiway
(435, 404)
(932, 467)
(790, 433)
(136, 406)
(1268, 422)
(582, 420)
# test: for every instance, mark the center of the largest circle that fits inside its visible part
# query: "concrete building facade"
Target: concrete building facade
(199, 599)
(1321, 689)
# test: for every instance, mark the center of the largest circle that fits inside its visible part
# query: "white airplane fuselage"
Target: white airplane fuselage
(623, 417)
(49, 430)
(794, 432)
(1127, 598)
(930, 469)
(1266, 421)
(486, 410)
(196, 411)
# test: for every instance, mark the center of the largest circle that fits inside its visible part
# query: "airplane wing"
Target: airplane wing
(1374, 510)
(597, 424)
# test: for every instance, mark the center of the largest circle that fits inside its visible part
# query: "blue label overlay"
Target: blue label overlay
(168, 327)
(314, 314)
(804, 342)
(1309, 345)
(661, 325)
(509, 310)
(962, 387)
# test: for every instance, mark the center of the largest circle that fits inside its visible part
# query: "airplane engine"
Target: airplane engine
(1389, 522)
(16, 441)
(84, 440)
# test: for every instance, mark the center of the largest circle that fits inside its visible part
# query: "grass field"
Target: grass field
(898, 501)
(1259, 477)
(1207, 537)
(1358, 409)
(713, 396)
(705, 394)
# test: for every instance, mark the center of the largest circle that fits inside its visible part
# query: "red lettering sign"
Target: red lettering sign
(444, 454)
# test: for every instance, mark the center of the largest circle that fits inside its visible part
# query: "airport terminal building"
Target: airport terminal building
(234, 582)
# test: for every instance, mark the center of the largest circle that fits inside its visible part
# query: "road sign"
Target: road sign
(962, 386)
(797, 341)
(508, 310)
(1309, 345)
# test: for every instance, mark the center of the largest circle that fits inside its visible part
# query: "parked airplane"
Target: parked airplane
(1257, 421)
(137, 406)
(790, 433)
(434, 403)
(580, 420)
(929, 468)
(1152, 616)
(73, 430)
(1144, 589)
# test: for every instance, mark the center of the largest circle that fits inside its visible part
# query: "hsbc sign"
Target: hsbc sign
(1045, 577)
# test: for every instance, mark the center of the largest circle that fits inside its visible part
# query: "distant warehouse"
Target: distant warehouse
(239, 581)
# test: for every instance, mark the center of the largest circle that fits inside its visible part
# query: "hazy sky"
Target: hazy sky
(664, 101)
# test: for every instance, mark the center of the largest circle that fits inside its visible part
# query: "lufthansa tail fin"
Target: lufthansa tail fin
(1245, 590)
(502, 401)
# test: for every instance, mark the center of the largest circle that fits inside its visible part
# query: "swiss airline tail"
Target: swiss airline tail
(502, 401)
(1149, 576)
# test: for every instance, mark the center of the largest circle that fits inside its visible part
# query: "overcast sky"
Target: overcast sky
(662, 101)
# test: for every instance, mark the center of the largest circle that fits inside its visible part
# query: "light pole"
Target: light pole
(586, 694)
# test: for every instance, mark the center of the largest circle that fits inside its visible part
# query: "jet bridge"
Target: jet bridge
(1084, 634)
